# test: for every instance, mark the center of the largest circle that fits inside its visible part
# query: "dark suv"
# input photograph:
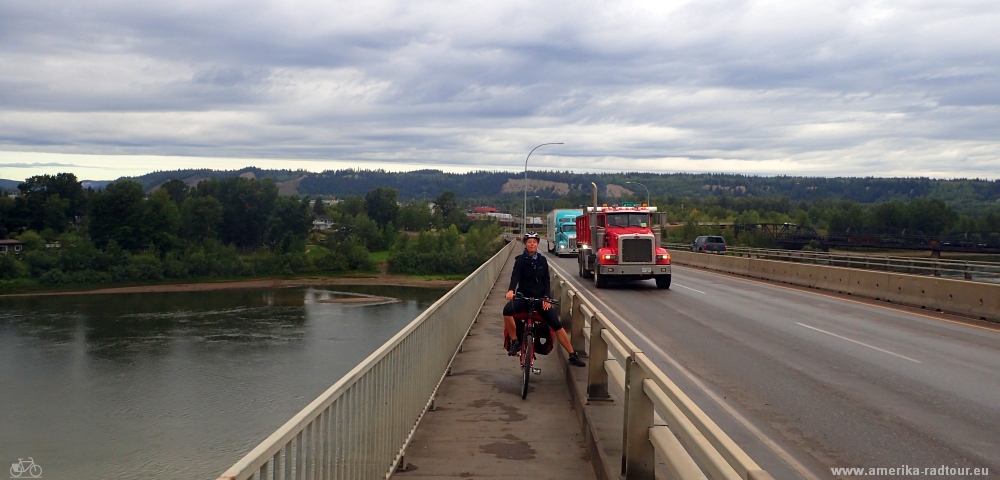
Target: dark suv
(709, 244)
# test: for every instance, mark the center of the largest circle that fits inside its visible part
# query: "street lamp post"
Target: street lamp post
(524, 212)
(644, 188)
(533, 197)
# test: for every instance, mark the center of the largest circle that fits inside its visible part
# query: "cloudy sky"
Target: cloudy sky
(111, 87)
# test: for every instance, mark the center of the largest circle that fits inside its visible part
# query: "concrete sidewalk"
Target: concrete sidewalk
(482, 429)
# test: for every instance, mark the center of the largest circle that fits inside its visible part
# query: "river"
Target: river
(175, 385)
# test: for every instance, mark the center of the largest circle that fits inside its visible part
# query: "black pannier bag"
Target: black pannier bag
(544, 336)
(543, 339)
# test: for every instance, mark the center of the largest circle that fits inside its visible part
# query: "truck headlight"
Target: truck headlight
(612, 257)
(663, 256)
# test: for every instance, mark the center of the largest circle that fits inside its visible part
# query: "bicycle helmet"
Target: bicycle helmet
(531, 235)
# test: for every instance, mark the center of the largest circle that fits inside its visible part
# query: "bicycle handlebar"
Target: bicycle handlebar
(519, 296)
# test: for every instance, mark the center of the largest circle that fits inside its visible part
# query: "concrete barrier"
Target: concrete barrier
(836, 279)
(974, 299)
(869, 284)
(735, 265)
(808, 275)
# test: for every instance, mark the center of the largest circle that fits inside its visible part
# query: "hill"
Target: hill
(487, 185)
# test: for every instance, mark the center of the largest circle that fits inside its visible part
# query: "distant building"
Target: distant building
(323, 222)
(483, 210)
(10, 245)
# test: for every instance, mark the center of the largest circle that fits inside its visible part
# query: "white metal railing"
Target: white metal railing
(958, 269)
(659, 418)
(360, 427)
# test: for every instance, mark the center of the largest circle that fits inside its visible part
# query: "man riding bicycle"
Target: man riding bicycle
(530, 278)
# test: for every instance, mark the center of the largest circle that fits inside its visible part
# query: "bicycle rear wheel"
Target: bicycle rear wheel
(526, 361)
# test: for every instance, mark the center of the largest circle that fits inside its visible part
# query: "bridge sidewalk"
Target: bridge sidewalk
(482, 429)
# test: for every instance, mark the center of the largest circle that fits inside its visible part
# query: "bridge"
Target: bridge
(747, 368)
(792, 236)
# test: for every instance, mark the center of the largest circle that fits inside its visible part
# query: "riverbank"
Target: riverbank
(229, 284)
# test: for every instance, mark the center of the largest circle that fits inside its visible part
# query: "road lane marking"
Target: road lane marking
(859, 343)
(804, 290)
(689, 288)
(778, 450)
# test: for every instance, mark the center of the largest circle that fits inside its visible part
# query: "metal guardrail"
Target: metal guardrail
(360, 427)
(659, 418)
(988, 272)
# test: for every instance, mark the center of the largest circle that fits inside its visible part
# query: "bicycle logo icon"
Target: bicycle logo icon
(25, 469)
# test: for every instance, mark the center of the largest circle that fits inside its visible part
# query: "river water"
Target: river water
(175, 385)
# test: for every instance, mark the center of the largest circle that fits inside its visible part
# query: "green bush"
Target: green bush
(41, 261)
(17, 285)
(145, 267)
(53, 277)
(444, 253)
(270, 263)
(11, 268)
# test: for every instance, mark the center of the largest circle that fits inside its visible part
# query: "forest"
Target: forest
(222, 228)
(966, 196)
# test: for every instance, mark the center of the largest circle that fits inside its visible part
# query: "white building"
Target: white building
(323, 222)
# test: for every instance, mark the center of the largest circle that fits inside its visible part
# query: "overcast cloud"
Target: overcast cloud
(815, 88)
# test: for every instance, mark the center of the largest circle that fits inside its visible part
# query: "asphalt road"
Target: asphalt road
(806, 381)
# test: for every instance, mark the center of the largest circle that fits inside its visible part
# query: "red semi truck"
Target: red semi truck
(618, 242)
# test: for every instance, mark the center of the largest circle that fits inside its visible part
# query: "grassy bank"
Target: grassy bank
(33, 287)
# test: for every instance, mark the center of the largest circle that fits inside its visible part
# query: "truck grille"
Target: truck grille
(637, 250)
(572, 243)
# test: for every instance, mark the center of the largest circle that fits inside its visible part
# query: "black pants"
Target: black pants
(519, 305)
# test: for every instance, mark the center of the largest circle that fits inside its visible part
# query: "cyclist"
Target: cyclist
(530, 278)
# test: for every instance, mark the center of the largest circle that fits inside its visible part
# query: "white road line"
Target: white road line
(859, 343)
(767, 441)
(689, 288)
(830, 295)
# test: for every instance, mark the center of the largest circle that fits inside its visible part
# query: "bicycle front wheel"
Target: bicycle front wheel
(526, 361)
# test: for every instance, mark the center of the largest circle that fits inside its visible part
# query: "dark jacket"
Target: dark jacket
(531, 276)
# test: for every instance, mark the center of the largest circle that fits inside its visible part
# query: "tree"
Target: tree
(163, 220)
(368, 232)
(458, 219)
(446, 203)
(414, 216)
(177, 189)
(289, 225)
(54, 212)
(7, 206)
(891, 215)
(381, 205)
(932, 217)
(35, 208)
(118, 214)
(352, 205)
(318, 207)
(246, 207)
(201, 217)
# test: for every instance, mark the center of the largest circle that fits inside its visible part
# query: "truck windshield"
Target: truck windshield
(628, 219)
(568, 227)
